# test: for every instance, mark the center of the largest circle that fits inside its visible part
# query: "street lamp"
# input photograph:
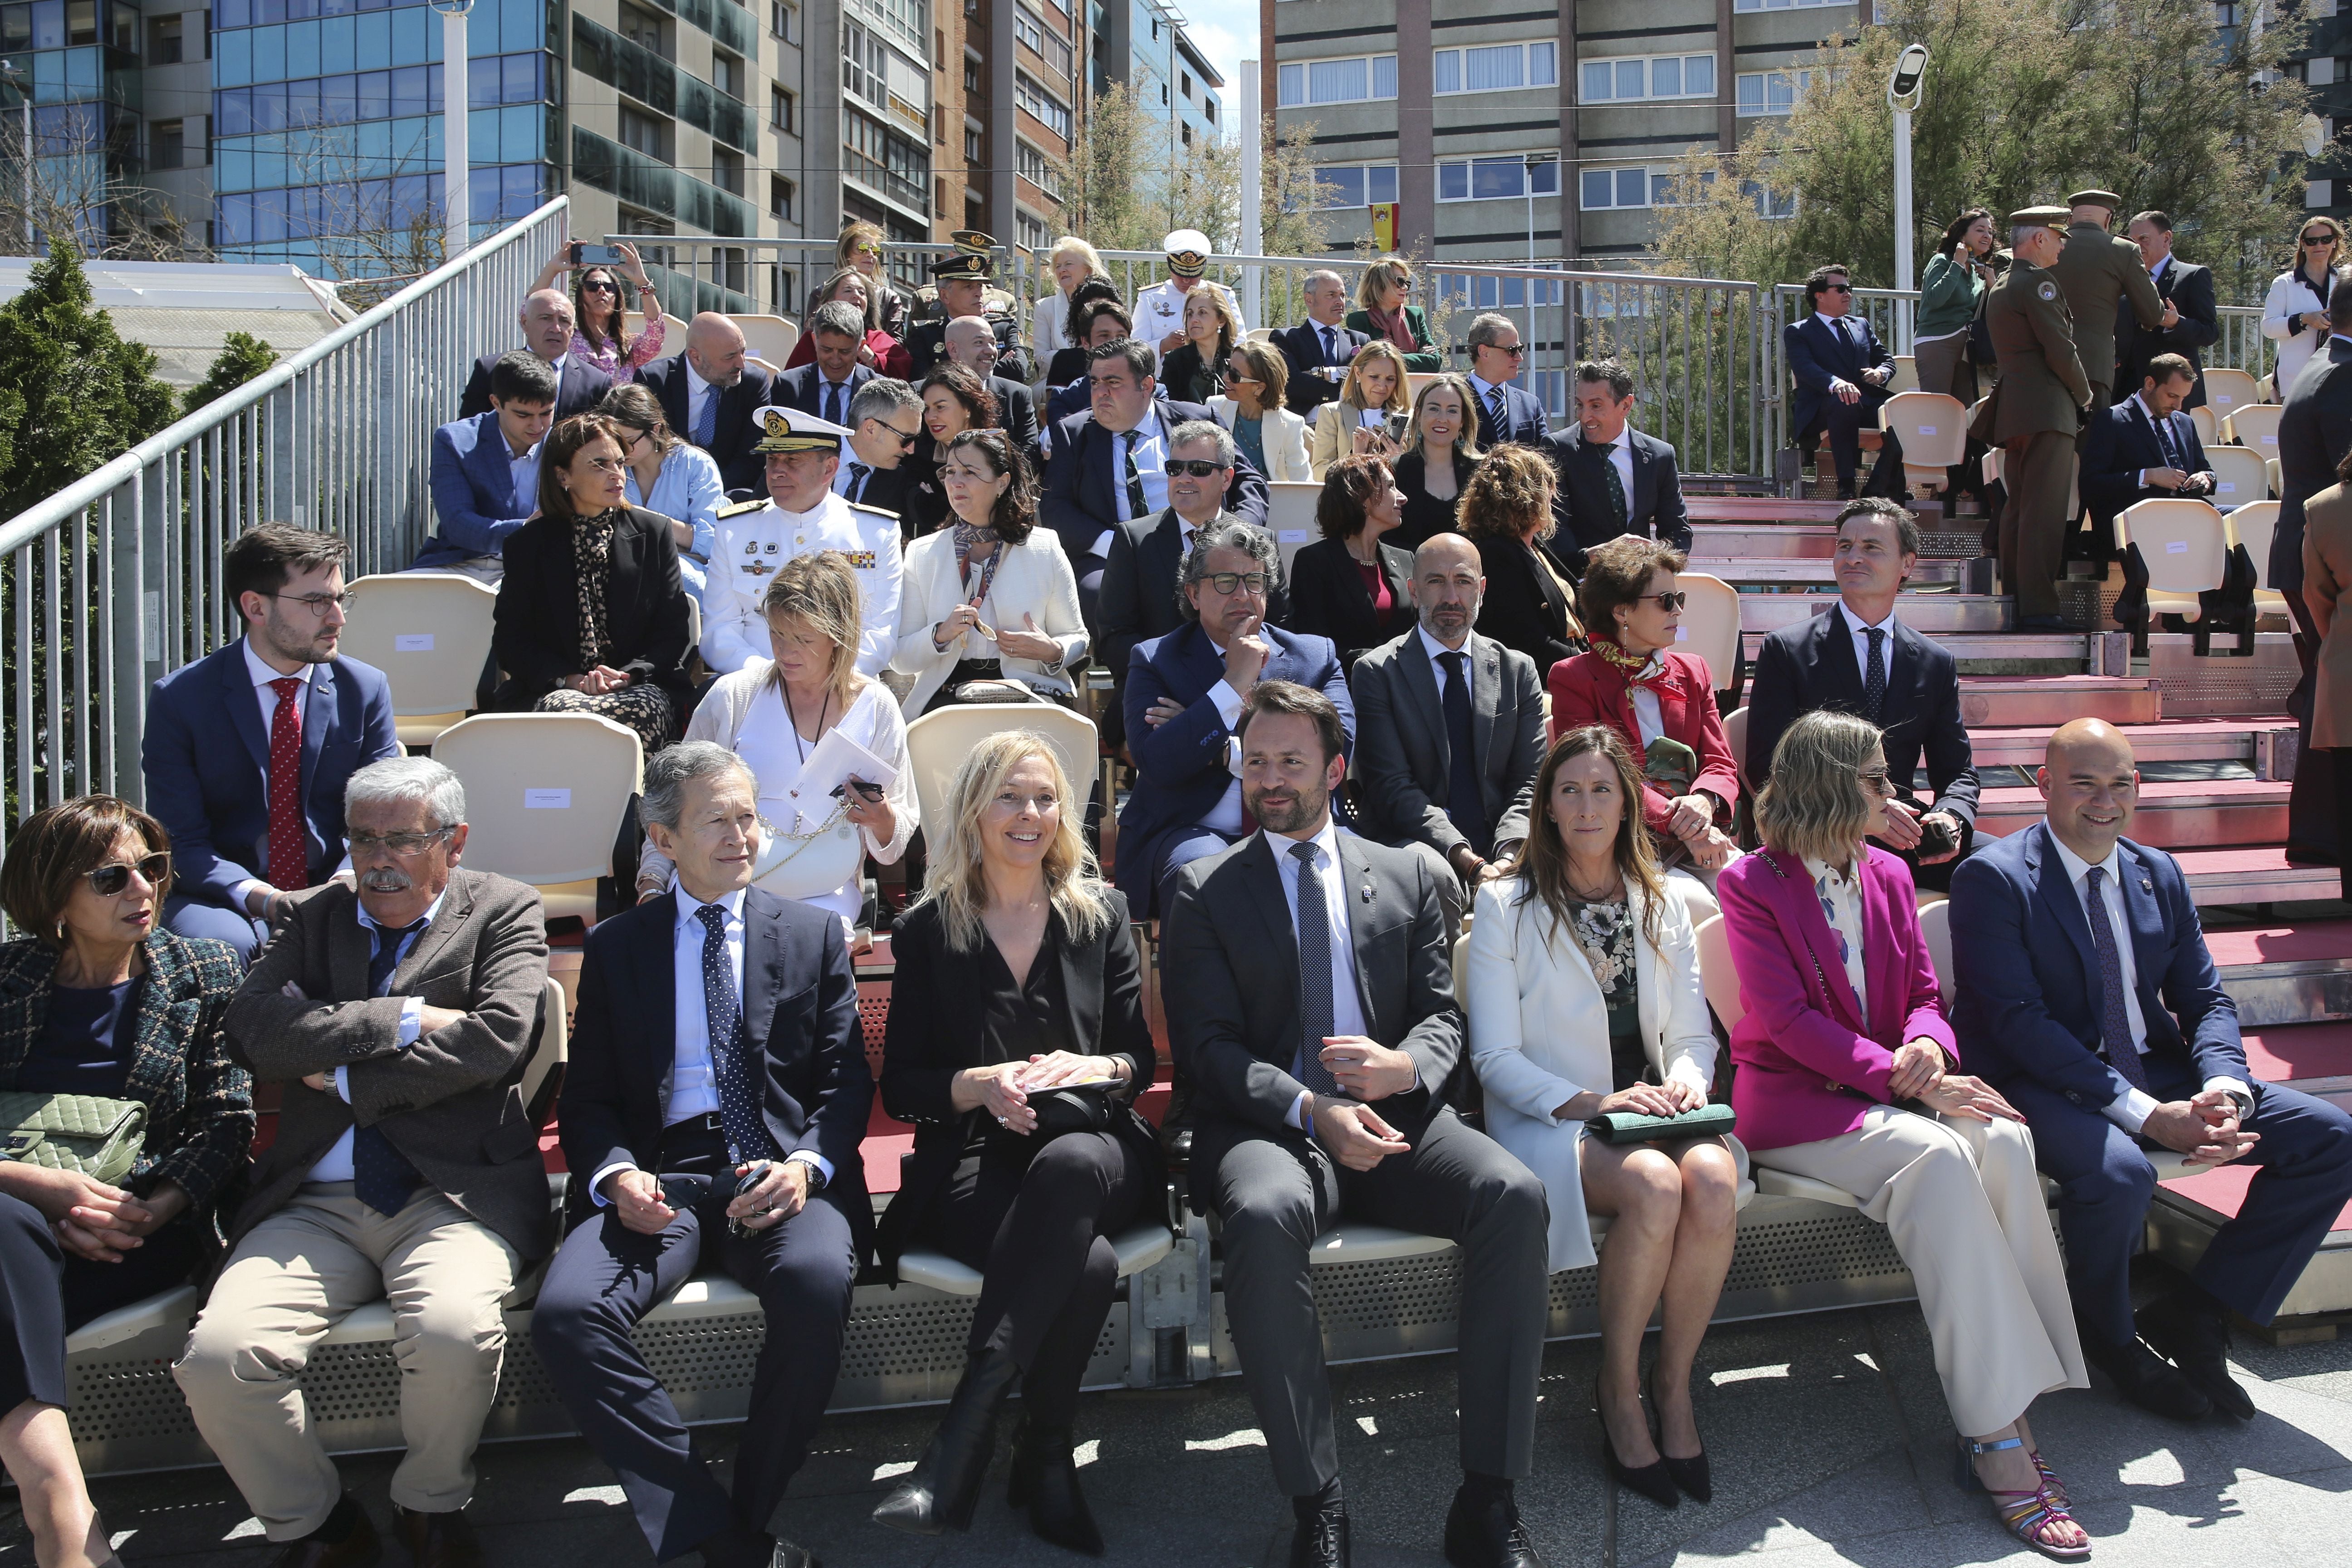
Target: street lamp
(1534, 161)
(1903, 96)
(13, 75)
(454, 158)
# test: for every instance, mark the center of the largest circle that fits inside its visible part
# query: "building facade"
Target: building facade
(1145, 45)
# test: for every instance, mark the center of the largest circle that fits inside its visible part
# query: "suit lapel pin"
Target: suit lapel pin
(2145, 886)
(1368, 892)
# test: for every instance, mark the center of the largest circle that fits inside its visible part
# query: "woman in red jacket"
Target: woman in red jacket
(1663, 702)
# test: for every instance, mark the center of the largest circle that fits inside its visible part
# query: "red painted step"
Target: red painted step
(2224, 1189)
(2312, 941)
(2254, 874)
(2170, 816)
(2300, 1053)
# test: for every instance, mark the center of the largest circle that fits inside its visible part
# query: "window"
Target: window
(784, 21)
(783, 110)
(1772, 92)
(1769, 203)
(1028, 28)
(727, 74)
(883, 159)
(1049, 110)
(165, 42)
(974, 148)
(907, 19)
(1485, 179)
(1187, 130)
(1495, 69)
(1600, 189)
(939, 48)
(971, 75)
(643, 29)
(1355, 184)
(780, 193)
(1356, 80)
(865, 66)
(727, 170)
(1033, 233)
(939, 198)
(1615, 81)
(644, 133)
(1184, 79)
(1209, 107)
(167, 144)
(1037, 169)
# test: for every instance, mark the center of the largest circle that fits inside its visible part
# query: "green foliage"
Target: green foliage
(242, 357)
(2025, 100)
(78, 395)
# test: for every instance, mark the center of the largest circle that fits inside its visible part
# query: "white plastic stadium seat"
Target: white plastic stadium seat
(2209, 425)
(429, 632)
(545, 793)
(2255, 428)
(177, 1305)
(2252, 525)
(1139, 1248)
(2185, 546)
(772, 338)
(1935, 926)
(1905, 377)
(2239, 476)
(1735, 735)
(1932, 427)
(2226, 391)
(938, 742)
(1716, 975)
(1290, 516)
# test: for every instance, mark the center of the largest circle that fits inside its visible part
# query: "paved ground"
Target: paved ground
(1829, 1436)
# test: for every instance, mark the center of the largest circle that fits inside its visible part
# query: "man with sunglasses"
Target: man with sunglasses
(886, 420)
(396, 1016)
(1507, 412)
(247, 749)
(1841, 371)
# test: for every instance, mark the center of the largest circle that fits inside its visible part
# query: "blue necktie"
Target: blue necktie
(738, 1102)
(2114, 1018)
(706, 424)
(1873, 680)
(1314, 976)
(1465, 802)
(833, 402)
(382, 1176)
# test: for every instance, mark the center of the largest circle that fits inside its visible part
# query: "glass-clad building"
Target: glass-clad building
(79, 59)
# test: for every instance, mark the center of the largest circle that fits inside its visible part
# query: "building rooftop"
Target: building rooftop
(184, 310)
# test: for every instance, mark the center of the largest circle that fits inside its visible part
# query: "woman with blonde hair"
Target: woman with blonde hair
(1373, 404)
(1017, 1046)
(1584, 1000)
(1071, 262)
(1506, 513)
(2295, 312)
(859, 249)
(775, 713)
(1269, 434)
(1381, 313)
(1441, 452)
(1849, 1075)
(1213, 325)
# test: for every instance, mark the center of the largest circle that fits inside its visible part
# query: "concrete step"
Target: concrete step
(2283, 975)
(2043, 702)
(1753, 510)
(2170, 817)
(1783, 571)
(2255, 874)
(1782, 540)
(1936, 615)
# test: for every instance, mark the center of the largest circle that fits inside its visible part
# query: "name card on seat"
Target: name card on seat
(413, 642)
(547, 800)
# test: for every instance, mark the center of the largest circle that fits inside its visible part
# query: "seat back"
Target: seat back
(1935, 927)
(429, 632)
(2255, 426)
(545, 793)
(1415, 380)
(1290, 516)
(2209, 426)
(2226, 391)
(1715, 974)
(1258, 335)
(542, 1077)
(672, 330)
(938, 742)
(2184, 543)
(772, 338)
(1735, 734)
(1905, 377)
(1710, 625)
(1932, 425)
(2252, 525)
(2240, 475)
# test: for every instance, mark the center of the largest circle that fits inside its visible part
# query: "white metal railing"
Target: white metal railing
(115, 581)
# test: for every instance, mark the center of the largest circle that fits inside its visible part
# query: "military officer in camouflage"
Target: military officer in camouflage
(2096, 271)
(961, 282)
(801, 514)
(2037, 406)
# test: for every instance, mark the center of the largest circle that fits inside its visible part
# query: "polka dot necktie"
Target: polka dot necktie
(382, 1176)
(2114, 1018)
(706, 424)
(1617, 503)
(738, 1102)
(1873, 682)
(833, 402)
(1314, 976)
(289, 860)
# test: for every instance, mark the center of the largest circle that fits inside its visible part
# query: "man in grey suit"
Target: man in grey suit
(1449, 732)
(1312, 1001)
(398, 1017)
(2314, 438)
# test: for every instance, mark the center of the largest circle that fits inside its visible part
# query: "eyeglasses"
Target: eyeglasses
(1668, 602)
(1226, 581)
(1200, 469)
(2318, 239)
(1837, 288)
(1235, 378)
(1875, 781)
(108, 880)
(317, 603)
(600, 285)
(906, 442)
(1516, 351)
(405, 845)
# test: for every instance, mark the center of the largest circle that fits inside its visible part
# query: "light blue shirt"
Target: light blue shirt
(688, 489)
(335, 1164)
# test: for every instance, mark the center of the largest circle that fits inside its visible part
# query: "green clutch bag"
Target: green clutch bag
(1632, 1127)
(98, 1136)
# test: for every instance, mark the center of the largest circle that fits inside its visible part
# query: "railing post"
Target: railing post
(139, 654)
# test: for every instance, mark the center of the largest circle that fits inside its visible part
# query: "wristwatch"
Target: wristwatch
(816, 1179)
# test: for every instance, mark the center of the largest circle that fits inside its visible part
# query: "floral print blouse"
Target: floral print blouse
(1604, 931)
(641, 348)
(1841, 895)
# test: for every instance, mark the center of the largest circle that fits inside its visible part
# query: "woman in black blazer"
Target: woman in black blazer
(1016, 974)
(1442, 439)
(1347, 586)
(1506, 512)
(591, 617)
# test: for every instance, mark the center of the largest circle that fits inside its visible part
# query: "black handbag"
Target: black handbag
(1072, 1108)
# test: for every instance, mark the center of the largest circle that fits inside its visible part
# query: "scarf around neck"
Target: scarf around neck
(1639, 669)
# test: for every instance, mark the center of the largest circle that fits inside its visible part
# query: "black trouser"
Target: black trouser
(1040, 1239)
(1845, 423)
(45, 1295)
(2312, 823)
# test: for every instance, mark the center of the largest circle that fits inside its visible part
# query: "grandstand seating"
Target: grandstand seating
(429, 632)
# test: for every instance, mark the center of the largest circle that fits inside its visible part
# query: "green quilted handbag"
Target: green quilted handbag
(98, 1137)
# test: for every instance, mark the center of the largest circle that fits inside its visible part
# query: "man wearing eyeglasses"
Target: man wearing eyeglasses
(397, 1016)
(1841, 370)
(1506, 411)
(247, 749)
(886, 420)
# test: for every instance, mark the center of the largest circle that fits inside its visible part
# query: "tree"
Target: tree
(2024, 101)
(80, 395)
(243, 356)
(78, 186)
(1292, 220)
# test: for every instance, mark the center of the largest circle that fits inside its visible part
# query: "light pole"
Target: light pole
(1903, 96)
(13, 75)
(456, 160)
(1253, 152)
(1534, 161)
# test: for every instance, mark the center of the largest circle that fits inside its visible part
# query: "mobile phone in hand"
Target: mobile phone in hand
(596, 255)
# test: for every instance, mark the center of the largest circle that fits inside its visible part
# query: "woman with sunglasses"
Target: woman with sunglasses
(591, 617)
(103, 1000)
(859, 250)
(1382, 315)
(1270, 436)
(670, 478)
(598, 336)
(2294, 314)
(1660, 702)
(880, 352)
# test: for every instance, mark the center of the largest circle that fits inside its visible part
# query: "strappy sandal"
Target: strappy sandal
(2050, 1481)
(2023, 1514)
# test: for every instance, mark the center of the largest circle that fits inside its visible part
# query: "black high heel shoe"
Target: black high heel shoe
(1692, 1474)
(944, 1486)
(1651, 1480)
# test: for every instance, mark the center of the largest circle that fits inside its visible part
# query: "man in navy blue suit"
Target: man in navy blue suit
(1841, 371)
(711, 395)
(1505, 412)
(1320, 348)
(2143, 448)
(546, 320)
(486, 470)
(1109, 464)
(825, 386)
(2087, 997)
(1184, 695)
(259, 819)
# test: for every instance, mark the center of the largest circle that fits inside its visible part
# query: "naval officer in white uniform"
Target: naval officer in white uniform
(801, 514)
(1160, 310)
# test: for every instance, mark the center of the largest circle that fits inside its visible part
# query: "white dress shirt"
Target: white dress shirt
(1437, 651)
(1860, 630)
(1843, 326)
(2131, 1109)
(335, 1164)
(1225, 817)
(1151, 466)
(1485, 391)
(2157, 422)
(1347, 1006)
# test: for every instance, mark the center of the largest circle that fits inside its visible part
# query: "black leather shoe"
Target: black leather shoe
(362, 1548)
(437, 1540)
(1487, 1534)
(755, 1549)
(942, 1490)
(2045, 624)
(2145, 1378)
(2197, 1341)
(1321, 1541)
(1045, 1482)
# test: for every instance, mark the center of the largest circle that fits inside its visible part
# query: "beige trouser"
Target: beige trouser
(1964, 1205)
(293, 1278)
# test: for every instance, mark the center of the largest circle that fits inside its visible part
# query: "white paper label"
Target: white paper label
(1926, 429)
(413, 642)
(1292, 536)
(547, 800)
(2270, 440)
(2226, 488)
(2176, 547)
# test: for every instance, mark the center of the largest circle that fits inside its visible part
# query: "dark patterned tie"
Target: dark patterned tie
(382, 1176)
(2164, 439)
(1465, 804)
(2115, 1021)
(1617, 503)
(1495, 405)
(833, 402)
(857, 472)
(706, 424)
(738, 1102)
(1136, 505)
(289, 857)
(1314, 976)
(1873, 678)
(1330, 346)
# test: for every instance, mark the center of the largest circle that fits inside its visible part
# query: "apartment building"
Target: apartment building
(2324, 63)
(1011, 94)
(1145, 45)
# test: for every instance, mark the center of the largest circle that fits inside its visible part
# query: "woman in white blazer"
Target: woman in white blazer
(1584, 998)
(1373, 394)
(1072, 262)
(990, 596)
(2295, 315)
(1265, 432)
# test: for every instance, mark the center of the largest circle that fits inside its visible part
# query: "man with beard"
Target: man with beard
(711, 395)
(396, 1018)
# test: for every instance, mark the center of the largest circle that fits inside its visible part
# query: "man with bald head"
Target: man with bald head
(546, 321)
(971, 343)
(709, 395)
(2087, 997)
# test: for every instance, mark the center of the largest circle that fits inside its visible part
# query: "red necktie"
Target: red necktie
(290, 863)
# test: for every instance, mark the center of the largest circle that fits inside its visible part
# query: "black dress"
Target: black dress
(1425, 515)
(1526, 606)
(1330, 598)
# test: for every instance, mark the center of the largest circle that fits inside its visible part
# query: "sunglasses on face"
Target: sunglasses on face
(906, 442)
(1516, 351)
(1874, 780)
(599, 286)
(2318, 239)
(1669, 601)
(1200, 469)
(109, 880)
(1837, 288)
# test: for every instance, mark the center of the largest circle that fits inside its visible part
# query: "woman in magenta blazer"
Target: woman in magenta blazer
(1632, 682)
(1848, 1075)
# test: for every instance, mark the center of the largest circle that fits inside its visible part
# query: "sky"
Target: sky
(1226, 31)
